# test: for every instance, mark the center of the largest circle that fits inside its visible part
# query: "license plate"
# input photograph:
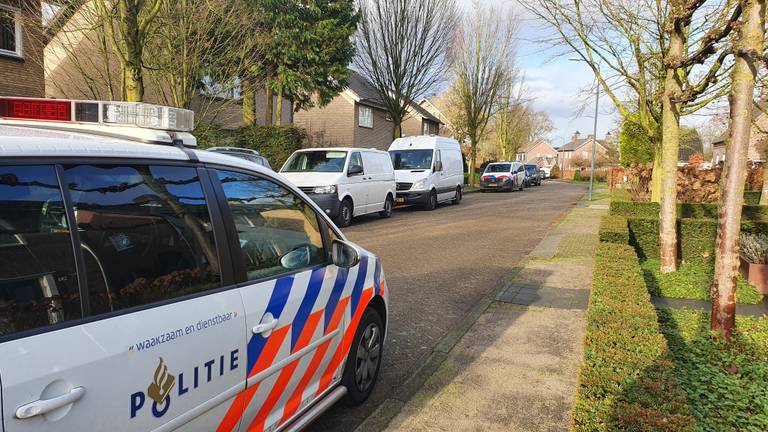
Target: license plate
(492, 185)
(400, 200)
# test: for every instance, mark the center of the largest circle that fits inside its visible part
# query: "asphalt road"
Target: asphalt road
(440, 264)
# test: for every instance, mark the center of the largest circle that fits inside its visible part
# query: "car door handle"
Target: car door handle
(265, 327)
(43, 406)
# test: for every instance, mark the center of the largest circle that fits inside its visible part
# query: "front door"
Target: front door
(157, 344)
(292, 300)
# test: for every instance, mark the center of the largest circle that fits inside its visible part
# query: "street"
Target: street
(440, 264)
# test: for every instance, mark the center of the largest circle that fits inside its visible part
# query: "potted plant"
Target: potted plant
(754, 260)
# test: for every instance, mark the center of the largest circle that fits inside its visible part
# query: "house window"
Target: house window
(365, 117)
(10, 31)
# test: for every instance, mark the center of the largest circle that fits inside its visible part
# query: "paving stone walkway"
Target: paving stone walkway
(516, 367)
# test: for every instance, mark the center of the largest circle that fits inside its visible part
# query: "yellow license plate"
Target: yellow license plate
(400, 200)
(492, 185)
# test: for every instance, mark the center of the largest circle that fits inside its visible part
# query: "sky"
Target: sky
(555, 84)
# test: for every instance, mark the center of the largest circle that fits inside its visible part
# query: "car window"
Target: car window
(277, 231)
(38, 280)
(497, 168)
(145, 232)
(356, 159)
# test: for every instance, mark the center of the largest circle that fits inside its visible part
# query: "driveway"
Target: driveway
(438, 266)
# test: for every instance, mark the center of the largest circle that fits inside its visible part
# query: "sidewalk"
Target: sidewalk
(516, 367)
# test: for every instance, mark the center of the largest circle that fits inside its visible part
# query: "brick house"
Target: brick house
(758, 138)
(580, 149)
(539, 152)
(357, 118)
(21, 54)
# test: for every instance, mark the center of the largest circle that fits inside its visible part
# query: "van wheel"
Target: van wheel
(522, 185)
(364, 358)
(344, 219)
(458, 197)
(431, 201)
(388, 204)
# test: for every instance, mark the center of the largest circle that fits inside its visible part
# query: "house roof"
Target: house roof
(364, 92)
(578, 143)
(535, 143)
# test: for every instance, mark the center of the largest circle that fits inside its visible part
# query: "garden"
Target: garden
(653, 369)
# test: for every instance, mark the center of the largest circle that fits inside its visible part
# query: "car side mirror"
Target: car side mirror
(354, 170)
(344, 255)
(438, 165)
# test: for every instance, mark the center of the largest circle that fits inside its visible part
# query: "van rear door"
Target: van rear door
(156, 342)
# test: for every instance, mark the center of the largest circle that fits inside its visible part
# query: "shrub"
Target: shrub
(754, 247)
(555, 172)
(634, 209)
(626, 381)
(752, 197)
(577, 175)
(613, 229)
(684, 210)
(276, 143)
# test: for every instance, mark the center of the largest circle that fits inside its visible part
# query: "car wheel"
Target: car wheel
(345, 213)
(364, 358)
(522, 185)
(431, 201)
(459, 196)
(388, 204)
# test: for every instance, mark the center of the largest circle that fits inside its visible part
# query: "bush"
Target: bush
(554, 172)
(625, 382)
(684, 210)
(577, 175)
(752, 197)
(613, 229)
(276, 143)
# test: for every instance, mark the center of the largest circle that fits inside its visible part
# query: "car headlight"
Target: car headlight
(324, 189)
(421, 184)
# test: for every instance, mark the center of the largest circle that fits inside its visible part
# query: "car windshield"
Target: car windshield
(532, 168)
(498, 168)
(316, 161)
(411, 159)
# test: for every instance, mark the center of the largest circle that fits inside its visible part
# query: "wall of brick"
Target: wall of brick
(24, 76)
(331, 125)
(379, 137)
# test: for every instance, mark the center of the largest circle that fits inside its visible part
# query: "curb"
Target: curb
(383, 415)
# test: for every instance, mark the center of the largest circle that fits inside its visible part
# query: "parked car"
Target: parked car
(547, 171)
(503, 176)
(542, 174)
(532, 176)
(428, 170)
(243, 153)
(149, 286)
(344, 182)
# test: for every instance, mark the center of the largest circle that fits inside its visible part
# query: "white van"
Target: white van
(344, 182)
(428, 170)
(149, 286)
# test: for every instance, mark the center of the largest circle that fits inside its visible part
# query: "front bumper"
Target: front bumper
(415, 197)
(328, 202)
(508, 184)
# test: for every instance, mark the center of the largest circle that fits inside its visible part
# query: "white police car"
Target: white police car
(147, 286)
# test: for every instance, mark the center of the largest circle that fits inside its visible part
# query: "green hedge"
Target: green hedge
(613, 229)
(684, 210)
(626, 380)
(752, 197)
(276, 143)
(697, 236)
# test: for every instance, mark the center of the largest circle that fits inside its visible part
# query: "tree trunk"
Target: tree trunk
(670, 145)
(747, 48)
(268, 103)
(764, 191)
(472, 161)
(279, 107)
(397, 131)
(249, 101)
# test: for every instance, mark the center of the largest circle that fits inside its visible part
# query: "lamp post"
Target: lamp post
(594, 134)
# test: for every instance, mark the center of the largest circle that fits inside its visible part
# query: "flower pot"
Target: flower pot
(756, 274)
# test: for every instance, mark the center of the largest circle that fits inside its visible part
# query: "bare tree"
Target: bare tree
(748, 50)
(402, 48)
(483, 64)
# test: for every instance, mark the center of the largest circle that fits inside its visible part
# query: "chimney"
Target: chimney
(590, 136)
(608, 137)
(576, 136)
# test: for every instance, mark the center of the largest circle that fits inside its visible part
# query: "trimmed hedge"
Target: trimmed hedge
(684, 210)
(626, 381)
(697, 236)
(276, 143)
(613, 229)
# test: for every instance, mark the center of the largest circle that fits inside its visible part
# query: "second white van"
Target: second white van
(344, 182)
(428, 170)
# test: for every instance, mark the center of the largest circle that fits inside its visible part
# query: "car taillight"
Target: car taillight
(502, 177)
(486, 178)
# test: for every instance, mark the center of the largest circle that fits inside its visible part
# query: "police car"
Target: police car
(149, 286)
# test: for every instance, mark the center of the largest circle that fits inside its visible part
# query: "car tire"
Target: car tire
(459, 196)
(388, 204)
(522, 185)
(364, 358)
(344, 219)
(431, 201)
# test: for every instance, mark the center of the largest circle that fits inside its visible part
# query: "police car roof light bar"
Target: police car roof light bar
(136, 114)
